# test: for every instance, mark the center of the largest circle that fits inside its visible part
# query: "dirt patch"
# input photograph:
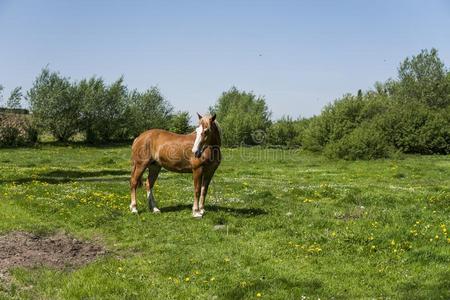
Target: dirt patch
(23, 249)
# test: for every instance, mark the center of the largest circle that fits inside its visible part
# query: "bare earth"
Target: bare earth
(23, 249)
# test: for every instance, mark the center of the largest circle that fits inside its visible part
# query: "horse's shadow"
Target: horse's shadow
(65, 176)
(245, 212)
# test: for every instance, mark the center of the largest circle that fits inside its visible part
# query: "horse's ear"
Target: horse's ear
(213, 118)
(199, 116)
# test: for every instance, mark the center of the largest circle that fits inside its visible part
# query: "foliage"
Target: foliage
(1, 92)
(423, 78)
(287, 132)
(416, 128)
(103, 109)
(180, 123)
(243, 116)
(102, 112)
(55, 104)
(16, 130)
(409, 115)
(364, 142)
(147, 110)
(14, 98)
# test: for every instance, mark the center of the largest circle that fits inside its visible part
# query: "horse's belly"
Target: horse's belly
(180, 166)
(178, 170)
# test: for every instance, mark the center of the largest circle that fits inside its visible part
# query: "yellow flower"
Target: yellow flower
(226, 259)
(436, 237)
(258, 295)
(187, 279)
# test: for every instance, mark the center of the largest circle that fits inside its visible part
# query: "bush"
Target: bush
(415, 128)
(287, 132)
(365, 142)
(16, 130)
(243, 117)
(180, 123)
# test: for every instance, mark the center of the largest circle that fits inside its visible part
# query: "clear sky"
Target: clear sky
(300, 55)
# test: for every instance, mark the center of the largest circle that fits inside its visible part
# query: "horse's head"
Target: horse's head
(204, 133)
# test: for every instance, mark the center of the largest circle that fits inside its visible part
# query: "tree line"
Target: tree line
(409, 114)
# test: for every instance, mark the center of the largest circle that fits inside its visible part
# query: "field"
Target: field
(279, 225)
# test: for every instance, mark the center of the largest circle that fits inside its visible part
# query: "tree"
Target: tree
(282, 132)
(14, 98)
(103, 109)
(147, 110)
(243, 117)
(55, 104)
(180, 122)
(1, 93)
(422, 78)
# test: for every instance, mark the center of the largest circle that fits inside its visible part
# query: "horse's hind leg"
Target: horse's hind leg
(136, 173)
(153, 171)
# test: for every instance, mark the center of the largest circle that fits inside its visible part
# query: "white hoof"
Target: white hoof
(133, 209)
(156, 210)
(202, 212)
(197, 215)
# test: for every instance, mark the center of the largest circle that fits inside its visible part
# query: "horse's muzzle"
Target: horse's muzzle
(198, 153)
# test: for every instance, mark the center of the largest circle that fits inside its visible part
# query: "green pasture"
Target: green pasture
(294, 226)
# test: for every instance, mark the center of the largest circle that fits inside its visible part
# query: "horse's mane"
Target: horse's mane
(219, 130)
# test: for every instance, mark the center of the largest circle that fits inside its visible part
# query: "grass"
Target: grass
(296, 226)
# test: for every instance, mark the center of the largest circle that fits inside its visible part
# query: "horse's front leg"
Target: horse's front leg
(204, 190)
(197, 174)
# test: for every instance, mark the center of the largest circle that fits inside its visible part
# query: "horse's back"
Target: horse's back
(150, 142)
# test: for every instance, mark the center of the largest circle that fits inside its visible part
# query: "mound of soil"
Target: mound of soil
(23, 249)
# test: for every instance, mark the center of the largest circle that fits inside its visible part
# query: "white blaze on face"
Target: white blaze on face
(198, 138)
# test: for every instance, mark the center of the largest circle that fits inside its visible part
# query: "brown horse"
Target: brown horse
(197, 153)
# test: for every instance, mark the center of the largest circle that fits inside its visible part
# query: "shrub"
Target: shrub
(365, 142)
(180, 123)
(243, 117)
(415, 128)
(16, 130)
(287, 132)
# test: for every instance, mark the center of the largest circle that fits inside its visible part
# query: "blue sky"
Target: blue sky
(299, 55)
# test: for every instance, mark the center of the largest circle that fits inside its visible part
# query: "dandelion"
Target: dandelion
(212, 279)
(258, 295)
(436, 237)
(187, 279)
